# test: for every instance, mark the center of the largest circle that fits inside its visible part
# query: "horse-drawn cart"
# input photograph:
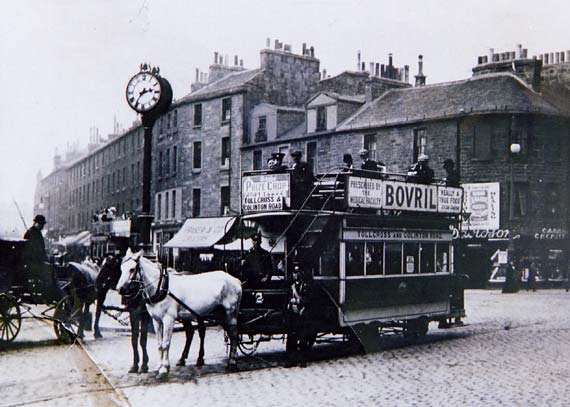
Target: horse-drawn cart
(37, 290)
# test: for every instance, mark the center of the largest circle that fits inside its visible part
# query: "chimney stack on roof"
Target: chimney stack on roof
(420, 77)
(215, 57)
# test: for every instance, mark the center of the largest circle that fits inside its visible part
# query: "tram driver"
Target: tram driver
(257, 267)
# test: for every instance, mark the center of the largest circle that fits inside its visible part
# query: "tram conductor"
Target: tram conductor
(257, 267)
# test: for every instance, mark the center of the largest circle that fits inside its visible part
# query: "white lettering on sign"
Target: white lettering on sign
(266, 192)
(399, 235)
(397, 195)
(551, 234)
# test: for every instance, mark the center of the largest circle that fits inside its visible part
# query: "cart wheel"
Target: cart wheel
(247, 346)
(66, 321)
(10, 318)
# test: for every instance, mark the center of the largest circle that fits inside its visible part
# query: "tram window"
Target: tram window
(393, 255)
(328, 260)
(411, 263)
(427, 257)
(442, 258)
(374, 257)
(354, 259)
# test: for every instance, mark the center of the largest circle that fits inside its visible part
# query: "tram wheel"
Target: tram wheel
(66, 321)
(10, 318)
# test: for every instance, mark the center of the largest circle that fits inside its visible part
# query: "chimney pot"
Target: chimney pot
(568, 56)
(221, 60)
(382, 70)
(358, 61)
(513, 55)
(491, 54)
(561, 56)
(390, 59)
(363, 68)
(546, 59)
(519, 51)
(276, 44)
(241, 62)
(377, 72)
(479, 60)
(525, 53)
(287, 48)
(304, 48)
(371, 68)
(268, 43)
(324, 73)
(552, 57)
(235, 60)
(407, 73)
(312, 51)
(215, 57)
(197, 74)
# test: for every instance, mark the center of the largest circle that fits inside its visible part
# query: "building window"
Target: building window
(198, 115)
(166, 205)
(225, 152)
(482, 142)
(124, 176)
(312, 155)
(371, 145)
(175, 119)
(420, 143)
(321, 118)
(197, 155)
(168, 118)
(552, 202)
(257, 160)
(520, 202)
(196, 201)
(174, 203)
(158, 206)
(167, 162)
(133, 178)
(285, 151)
(138, 171)
(174, 160)
(160, 164)
(261, 133)
(224, 200)
(226, 109)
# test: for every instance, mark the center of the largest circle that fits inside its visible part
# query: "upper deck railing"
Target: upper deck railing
(348, 190)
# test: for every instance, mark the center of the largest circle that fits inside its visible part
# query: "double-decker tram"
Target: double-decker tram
(359, 252)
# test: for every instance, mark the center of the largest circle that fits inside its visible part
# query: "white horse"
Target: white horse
(188, 298)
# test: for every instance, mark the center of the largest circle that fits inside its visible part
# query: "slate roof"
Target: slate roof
(483, 94)
(230, 84)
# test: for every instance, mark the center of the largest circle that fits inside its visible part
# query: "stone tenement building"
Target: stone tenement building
(236, 118)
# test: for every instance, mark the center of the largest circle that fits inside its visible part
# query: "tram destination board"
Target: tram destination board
(266, 192)
(397, 195)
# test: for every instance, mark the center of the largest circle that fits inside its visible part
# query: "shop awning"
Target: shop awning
(80, 239)
(201, 232)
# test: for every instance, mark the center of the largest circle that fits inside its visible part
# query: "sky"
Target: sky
(64, 64)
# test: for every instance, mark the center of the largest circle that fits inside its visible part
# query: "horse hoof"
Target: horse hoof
(134, 369)
(232, 367)
(200, 363)
(98, 335)
(144, 369)
(161, 375)
(181, 362)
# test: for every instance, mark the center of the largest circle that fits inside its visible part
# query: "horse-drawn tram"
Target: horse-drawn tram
(357, 252)
(32, 288)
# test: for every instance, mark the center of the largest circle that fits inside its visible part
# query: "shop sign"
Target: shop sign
(397, 235)
(482, 201)
(265, 192)
(402, 196)
(496, 234)
(551, 234)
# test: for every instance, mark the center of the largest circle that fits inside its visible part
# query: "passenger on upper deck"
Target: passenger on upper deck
(421, 172)
(452, 179)
(302, 179)
(347, 161)
(370, 165)
(275, 163)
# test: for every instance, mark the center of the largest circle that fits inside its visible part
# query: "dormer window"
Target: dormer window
(261, 133)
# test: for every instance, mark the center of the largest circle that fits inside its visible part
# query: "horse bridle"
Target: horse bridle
(161, 289)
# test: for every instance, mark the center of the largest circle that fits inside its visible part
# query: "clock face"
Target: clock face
(143, 92)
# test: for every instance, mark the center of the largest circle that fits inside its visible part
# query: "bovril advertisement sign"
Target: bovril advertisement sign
(265, 192)
(404, 196)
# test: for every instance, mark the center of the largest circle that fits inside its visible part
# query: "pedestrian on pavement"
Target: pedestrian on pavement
(510, 283)
(531, 279)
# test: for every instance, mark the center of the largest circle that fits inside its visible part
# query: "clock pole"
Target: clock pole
(150, 111)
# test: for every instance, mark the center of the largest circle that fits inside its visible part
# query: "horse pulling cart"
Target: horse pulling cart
(41, 291)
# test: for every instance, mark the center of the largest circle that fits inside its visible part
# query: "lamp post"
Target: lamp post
(514, 149)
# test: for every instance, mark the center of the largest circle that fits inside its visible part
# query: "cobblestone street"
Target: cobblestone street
(511, 352)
